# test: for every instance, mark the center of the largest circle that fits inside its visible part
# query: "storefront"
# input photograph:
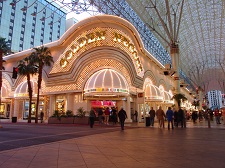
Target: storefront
(99, 62)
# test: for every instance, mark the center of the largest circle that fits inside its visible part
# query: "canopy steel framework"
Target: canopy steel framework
(197, 27)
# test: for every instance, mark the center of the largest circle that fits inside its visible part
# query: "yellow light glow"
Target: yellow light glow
(63, 63)
(75, 49)
(69, 55)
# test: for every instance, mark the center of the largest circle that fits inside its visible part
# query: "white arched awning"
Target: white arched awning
(152, 93)
(22, 89)
(167, 97)
(4, 92)
(106, 82)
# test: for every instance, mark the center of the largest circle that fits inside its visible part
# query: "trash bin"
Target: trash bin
(14, 119)
(147, 121)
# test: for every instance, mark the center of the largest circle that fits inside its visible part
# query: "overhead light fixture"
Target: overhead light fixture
(23, 9)
(33, 14)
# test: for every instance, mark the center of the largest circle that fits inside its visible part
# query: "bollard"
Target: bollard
(209, 121)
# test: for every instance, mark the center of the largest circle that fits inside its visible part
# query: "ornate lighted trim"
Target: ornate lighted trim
(93, 38)
(127, 43)
(110, 90)
(154, 98)
(24, 95)
(80, 43)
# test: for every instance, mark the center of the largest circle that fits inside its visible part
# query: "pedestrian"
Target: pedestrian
(114, 115)
(160, 115)
(223, 114)
(135, 116)
(180, 117)
(152, 116)
(122, 116)
(169, 116)
(107, 113)
(92, 117)
(217, 115)
(185, 118)
(42, 116)
(175, 117)
(194, 116)
(100, 117)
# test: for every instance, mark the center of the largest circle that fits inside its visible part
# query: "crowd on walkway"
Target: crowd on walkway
(178, 118)
(173, 117)
(105, 115)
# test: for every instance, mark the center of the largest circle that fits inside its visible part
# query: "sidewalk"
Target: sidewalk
(196, 146)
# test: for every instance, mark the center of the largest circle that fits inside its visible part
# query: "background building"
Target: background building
(26, 24)
(215, 99)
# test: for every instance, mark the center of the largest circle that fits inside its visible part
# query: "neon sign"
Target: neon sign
(83, 41)
(99, 36)
(121, 39)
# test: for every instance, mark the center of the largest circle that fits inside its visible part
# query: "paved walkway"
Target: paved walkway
(196, 146)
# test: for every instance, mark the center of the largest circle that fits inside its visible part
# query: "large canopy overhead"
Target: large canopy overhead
(196, 26)
(200, 35)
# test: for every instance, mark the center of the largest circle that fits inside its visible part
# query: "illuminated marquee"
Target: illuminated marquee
(121, 39)
(109, 37)
(90, 38)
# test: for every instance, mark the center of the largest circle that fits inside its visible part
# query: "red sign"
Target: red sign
(140, 94)
(176, 78)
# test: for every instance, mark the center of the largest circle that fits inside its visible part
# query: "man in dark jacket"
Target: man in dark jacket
(100, 113)
(122, 116)
(180, 117)
(92, 117)
(152, 116)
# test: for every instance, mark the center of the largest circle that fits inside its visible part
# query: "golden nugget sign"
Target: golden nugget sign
(90, 38)
(120, 38)
(99, 36)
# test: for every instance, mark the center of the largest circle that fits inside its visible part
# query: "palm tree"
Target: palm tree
(178, 97)
(4, 48)
(41, 57)
(26, 68)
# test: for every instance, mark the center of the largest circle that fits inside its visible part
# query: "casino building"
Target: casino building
(99, 62)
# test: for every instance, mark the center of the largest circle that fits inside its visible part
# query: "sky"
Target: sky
(80, 16)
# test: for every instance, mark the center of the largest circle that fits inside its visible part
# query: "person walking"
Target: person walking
(217, 115)
(114, 115)
(180, 117)
(122, 116)
(152, 116)
(160, 115)
(42, 116)
(175, 117)
(169, 116)
(107, 113)
(223, 114)
(92, 117)
(100, 117)
(135, 116)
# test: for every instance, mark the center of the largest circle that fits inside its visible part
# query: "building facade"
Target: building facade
(27, 24)
(215, 99)
(99, 62)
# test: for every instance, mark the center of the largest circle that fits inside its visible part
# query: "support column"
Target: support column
(69, 100)
(126, 105)
(200, 92)
(174, 51)
(51, 105)
(16, 108)
(11, 108)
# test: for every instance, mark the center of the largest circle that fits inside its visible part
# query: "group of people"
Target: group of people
(174, 118)
(103, 116)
